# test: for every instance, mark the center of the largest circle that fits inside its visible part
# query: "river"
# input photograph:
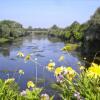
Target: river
(42, 48)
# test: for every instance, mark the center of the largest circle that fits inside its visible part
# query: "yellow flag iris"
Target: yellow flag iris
(30, 84)
(93, 71)
(58, 71)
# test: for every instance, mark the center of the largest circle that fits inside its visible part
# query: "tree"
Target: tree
(54, 27)
(67, 34)
(30, 28)
(11, 29)
(74, 27)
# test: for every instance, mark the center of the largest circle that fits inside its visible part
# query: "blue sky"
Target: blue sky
(45, 13)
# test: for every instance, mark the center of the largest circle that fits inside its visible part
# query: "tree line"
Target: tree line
(87, 33)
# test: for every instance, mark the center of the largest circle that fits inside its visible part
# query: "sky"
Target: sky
(45, 13)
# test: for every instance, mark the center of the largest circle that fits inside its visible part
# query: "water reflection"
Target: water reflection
(5, 49)
(54, 39)
(43, 48)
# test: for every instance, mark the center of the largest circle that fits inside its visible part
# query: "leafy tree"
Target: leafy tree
(91, 43)
(78, 35)
(54, 27)
(11, 29)
(4, 31)
(74, 27)
(67, 34)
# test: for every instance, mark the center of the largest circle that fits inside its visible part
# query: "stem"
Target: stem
(95, 56)
(36, 65)
(36, 73)
(44, 75)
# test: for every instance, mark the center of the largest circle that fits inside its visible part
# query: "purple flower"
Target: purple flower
(60, 78)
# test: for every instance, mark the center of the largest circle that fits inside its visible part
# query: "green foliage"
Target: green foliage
(67, 34)
(94, 26)
(83, 87)
(77, 31)
(8, 90)
(33, 94)
(74, 27)
(11, 29)
(3, 40)
(70, 47)
(88, 87)
(78, 35)
(95, 19)
(4, 30)
(54, 27)
(91, 43)
(17, 32)
(77, 86)
(11, 24)
(74, 31)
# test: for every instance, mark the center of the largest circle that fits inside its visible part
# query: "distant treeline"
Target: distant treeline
(87, 33)
(76, 32)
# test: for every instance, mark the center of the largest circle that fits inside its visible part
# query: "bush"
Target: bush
(67, 34)
(3, 40)
(78, 35)
(8, 90)
(70, 47)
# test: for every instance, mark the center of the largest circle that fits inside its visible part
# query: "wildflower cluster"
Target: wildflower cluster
(71, 85)
(61, 72)
(32, 92)
(78, 86)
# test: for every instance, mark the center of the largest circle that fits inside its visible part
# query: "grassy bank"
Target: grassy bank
(71, 47)
(4, 40)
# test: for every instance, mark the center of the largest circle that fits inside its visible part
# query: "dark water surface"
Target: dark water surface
(42, 48)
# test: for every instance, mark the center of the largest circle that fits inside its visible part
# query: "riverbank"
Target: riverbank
(4, 40)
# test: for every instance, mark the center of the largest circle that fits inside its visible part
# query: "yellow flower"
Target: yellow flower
(70, 73)
(21, 72)
(82, 68)
(9, 80)
(28, 57)
(51, 66)
(61, 58)
(30, 84)
(58, 71)
(93, 71)
(69, 68)
(20, 54)
(70, 76)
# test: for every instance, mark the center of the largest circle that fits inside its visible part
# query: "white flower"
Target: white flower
(23, 93)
